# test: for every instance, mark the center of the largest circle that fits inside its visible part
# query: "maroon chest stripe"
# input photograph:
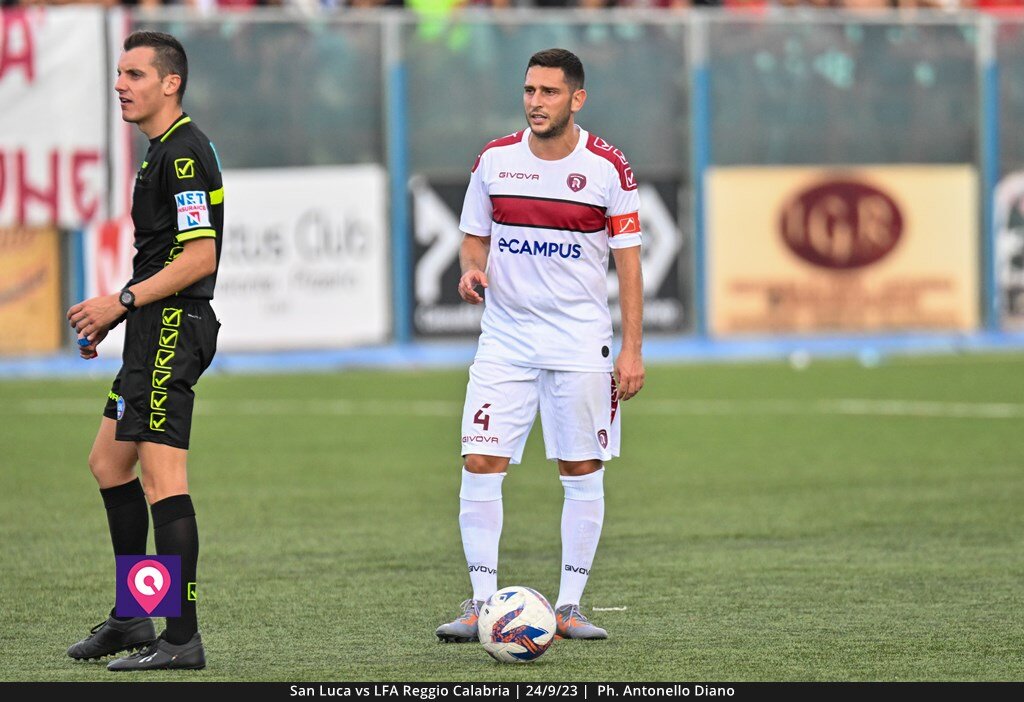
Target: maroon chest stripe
(547, 213)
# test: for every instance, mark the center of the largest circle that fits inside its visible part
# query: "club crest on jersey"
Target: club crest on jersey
(602, 438)
(576, 182)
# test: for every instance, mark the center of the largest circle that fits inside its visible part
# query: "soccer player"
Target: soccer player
(171, 337)
(543, 208)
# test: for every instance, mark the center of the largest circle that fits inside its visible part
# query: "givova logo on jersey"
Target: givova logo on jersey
(515, 175)
(540, 248)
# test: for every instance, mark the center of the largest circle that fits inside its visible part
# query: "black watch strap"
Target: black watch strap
(127, 298)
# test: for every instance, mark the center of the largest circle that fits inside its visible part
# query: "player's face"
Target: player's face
(549, 101)
(140, 89)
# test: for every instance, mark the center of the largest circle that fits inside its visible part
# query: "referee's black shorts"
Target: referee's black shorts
(167, 346)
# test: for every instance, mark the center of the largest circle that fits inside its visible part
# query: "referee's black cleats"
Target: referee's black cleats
(114, 636)
(163, 655)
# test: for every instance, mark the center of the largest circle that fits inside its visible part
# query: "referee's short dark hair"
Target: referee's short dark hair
(569, 62)
(170, 55)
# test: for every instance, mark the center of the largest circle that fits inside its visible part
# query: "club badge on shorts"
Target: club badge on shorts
(120, 407)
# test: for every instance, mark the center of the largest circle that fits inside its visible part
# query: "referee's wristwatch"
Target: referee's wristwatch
(127, 298)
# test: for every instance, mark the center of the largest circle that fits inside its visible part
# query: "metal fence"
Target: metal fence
(678, 92)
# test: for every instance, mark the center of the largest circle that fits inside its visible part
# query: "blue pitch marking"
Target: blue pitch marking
(459, 354)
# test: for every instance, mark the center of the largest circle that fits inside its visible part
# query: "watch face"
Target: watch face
(127, 298)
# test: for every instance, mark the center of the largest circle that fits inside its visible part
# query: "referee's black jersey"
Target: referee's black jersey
(178, 197)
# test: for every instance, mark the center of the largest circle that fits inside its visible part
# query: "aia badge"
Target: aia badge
(148, 586)
(576, 182)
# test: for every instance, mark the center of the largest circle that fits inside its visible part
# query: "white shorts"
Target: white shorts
(578, 410)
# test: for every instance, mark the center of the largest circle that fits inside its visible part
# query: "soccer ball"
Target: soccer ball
(516, 625)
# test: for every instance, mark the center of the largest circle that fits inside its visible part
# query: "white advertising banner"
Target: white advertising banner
(304, 259)
(53, 106)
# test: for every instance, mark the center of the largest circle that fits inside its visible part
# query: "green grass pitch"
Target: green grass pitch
(764, 523)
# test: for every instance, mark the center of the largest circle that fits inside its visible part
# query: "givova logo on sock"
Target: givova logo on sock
(148, 586)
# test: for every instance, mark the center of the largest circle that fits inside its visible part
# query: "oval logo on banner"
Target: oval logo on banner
(841, 224)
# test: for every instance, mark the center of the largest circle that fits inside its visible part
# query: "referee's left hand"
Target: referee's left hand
(96, 313)
(89, 351)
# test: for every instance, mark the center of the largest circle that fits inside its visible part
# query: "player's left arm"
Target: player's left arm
(629, 366)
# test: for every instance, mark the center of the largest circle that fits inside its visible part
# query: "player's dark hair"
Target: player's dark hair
(569, 62)
(169, 55)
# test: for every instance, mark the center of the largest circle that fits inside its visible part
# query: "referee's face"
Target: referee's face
(143, 94)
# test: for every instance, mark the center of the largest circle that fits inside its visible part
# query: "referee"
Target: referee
(171, 338)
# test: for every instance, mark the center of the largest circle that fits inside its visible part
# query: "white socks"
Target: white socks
(480, 517)
(582, 518)
(480, 520)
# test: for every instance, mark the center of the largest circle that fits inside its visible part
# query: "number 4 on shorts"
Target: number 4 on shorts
(482, 418)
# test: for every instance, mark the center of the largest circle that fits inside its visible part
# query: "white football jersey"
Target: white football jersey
(551, 224)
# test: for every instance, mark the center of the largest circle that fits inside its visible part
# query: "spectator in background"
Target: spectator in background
(435, 21)
(207, 5)
(435, 8)
(996, 6)
(210, 5)
(108, 3)
(865, 4)
(370, 4)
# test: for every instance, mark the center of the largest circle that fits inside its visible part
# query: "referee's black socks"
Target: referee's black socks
(127, 517)
(174, 526)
